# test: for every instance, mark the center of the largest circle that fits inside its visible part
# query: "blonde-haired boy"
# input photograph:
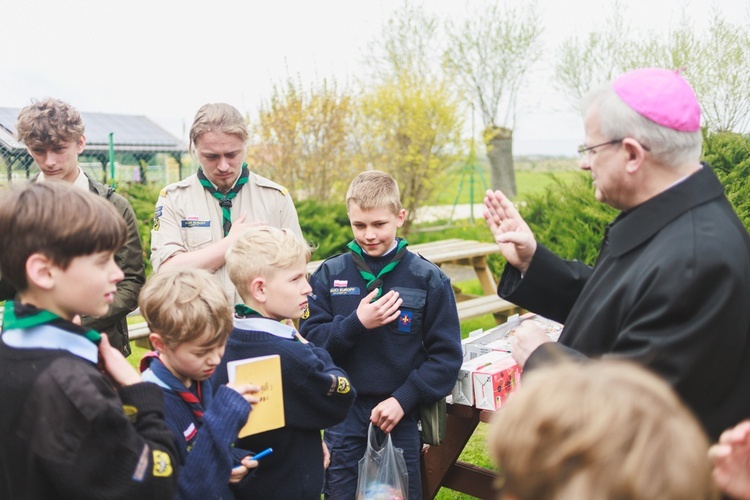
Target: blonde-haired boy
(77, 421)
(190, 320)
(388, 317)
(268, 267)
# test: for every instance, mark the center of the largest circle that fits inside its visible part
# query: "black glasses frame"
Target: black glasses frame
(583, 149)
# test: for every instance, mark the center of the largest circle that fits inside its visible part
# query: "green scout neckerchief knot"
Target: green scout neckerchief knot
(225, 200)
(38, 317)
(373, 281)
(243, 311)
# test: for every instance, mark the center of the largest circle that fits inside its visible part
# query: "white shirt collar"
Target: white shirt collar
(266, 325)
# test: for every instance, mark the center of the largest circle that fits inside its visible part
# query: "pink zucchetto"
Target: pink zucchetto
(662, 96)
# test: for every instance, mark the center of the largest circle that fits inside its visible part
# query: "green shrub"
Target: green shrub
(729, 154)
(143, 200)
(325, 225)
(567, 219)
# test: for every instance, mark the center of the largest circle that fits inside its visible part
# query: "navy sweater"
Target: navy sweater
(204, 444)
(317, 394)
(414, 359)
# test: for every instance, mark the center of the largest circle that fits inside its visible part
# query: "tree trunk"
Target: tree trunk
(499, 141)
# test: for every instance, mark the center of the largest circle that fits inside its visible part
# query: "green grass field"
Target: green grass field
(532, 176)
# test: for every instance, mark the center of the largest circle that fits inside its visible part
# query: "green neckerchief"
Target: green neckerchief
(243, 311)
(373, 281)
(225, 200)
(42, 317)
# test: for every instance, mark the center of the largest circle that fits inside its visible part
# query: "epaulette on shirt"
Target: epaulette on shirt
(183, 184)
(267, 183)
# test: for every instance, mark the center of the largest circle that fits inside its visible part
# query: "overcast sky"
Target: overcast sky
(164, 58)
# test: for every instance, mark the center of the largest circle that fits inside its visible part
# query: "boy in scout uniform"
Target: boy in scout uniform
(197, 219)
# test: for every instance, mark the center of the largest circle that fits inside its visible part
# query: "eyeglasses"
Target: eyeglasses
(585, 151)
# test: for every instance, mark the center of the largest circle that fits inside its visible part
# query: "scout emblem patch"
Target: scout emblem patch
(404, 321)
(343, 385)
(162, 464)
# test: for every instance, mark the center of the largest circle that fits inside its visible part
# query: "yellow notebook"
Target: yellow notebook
(265, 372)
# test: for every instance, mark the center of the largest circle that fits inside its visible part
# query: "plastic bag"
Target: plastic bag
(382, 471)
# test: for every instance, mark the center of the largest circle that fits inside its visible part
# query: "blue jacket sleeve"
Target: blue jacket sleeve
(320, 394)
(208, 465)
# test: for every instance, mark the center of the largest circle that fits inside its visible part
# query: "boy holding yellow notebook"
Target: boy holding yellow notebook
(268, 267)
(190, 320)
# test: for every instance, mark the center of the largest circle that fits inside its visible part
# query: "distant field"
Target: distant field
(532, 176)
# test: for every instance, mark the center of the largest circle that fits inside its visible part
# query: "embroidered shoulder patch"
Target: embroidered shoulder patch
(131, 412)
(343, 386)
(162, 464)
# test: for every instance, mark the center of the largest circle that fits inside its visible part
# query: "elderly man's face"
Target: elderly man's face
(606, 164)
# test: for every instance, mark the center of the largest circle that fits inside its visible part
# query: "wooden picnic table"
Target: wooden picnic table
(440, 464)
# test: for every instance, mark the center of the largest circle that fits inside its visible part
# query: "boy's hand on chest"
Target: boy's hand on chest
(381, 312)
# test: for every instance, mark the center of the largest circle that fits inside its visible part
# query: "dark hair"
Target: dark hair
(55, 219)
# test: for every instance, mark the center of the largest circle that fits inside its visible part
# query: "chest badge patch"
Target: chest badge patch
(349, 290)
(404, 321)
(195, 223)
(340, 283)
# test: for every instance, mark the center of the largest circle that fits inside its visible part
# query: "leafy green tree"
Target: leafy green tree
(410, 119)
(301, 138)
(410, 129)
(490, 55)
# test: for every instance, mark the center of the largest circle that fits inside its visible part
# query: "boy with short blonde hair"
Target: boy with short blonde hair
(77, 421)
(388, 317)
(277, 250)
(268, 266)
(190, 320)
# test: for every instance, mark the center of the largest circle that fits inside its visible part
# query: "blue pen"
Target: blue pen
(262, 454)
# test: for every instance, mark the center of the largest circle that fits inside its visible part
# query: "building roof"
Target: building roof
(131, 133)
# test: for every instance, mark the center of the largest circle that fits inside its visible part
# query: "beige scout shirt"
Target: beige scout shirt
(188, 218)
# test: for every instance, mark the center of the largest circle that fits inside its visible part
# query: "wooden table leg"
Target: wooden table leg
(486, 279)
(439, 466)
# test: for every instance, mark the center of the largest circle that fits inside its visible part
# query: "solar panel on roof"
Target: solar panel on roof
(131, 132)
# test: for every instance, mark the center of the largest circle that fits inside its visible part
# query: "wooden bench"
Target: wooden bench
(138, 334)
(486, 304)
